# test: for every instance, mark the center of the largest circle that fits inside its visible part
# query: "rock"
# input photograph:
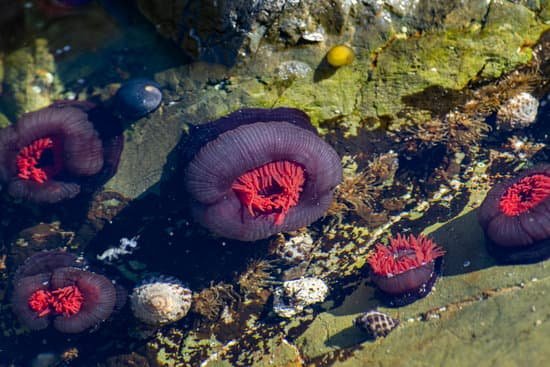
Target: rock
(30, 79)
(295, 295)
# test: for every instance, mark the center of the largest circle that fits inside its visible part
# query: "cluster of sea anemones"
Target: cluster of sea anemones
(52, 286)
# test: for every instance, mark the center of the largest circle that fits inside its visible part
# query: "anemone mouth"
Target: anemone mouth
(525, 194)
(403, 254)
(272, 188)
(40, 160)
(66, 301)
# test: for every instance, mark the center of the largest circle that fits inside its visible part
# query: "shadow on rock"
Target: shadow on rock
(464, 242)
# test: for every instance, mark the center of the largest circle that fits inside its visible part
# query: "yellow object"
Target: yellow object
(340, 55)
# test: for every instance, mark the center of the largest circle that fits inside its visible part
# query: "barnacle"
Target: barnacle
(489, 98)
(255, 278)
(359, 190)
(211, 301)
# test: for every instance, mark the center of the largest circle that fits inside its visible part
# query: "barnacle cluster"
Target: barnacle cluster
(488, 99)
(256, 278)
(294, 250)
(459, 131)
(294, 296)
(361, 188)
(210, 302)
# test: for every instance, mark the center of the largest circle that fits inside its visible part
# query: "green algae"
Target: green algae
(30, 78)
(377, 83)
(450, 58)
(503, 330)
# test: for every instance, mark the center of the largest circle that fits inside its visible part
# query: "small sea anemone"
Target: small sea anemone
(257, 172)
(515, 216)
(406, 269)
(340, 55)
(518, 112)
(160, 301)
(43, 154)
(74, 298)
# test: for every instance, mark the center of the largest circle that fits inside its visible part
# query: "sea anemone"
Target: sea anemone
(43, 155)
(406, 270)
(160, 301)
(74, 298)
(340, 55)
(515, 216)
(257, 172)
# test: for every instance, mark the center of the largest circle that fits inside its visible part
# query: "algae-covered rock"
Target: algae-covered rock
(395, 62)
(30, 79)
(147, 144)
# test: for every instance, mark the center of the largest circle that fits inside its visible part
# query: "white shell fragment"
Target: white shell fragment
(160, 301)
(518, 112)
(296, 250)
(295, 295)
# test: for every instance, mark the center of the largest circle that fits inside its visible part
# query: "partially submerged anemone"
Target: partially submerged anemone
(515, 216)
(406, 270)
(257, 172)
(75, 299)
(47, 153)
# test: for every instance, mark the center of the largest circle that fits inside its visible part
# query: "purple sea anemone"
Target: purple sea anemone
(515, 216)
(76, 299)
(257, 172)
(43, 155)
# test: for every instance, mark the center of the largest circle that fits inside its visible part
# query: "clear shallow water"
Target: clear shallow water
(109, 42)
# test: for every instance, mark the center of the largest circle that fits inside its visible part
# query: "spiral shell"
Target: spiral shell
(160, 301)
(518, 112)
(376, 324)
